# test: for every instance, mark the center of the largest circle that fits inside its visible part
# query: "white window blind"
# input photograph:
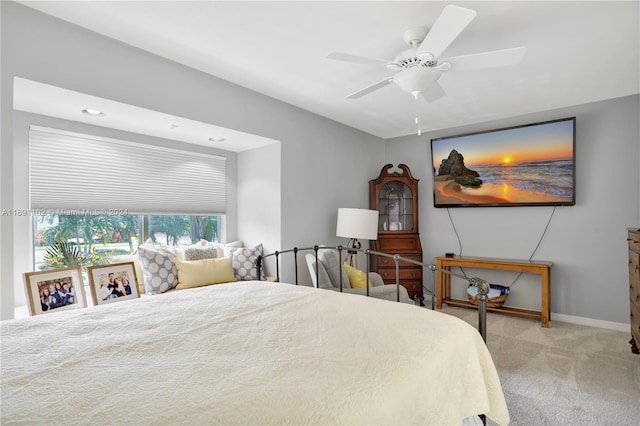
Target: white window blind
(88, 173)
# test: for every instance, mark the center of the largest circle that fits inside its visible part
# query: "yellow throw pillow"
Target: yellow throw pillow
(357, 278)
(198, 273)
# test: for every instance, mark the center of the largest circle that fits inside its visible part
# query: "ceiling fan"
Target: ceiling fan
(420, 66)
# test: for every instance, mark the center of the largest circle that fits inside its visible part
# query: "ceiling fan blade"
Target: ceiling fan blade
(494, 59)
(434, 92)
(447, 27)
(347, 57)
(375, 86)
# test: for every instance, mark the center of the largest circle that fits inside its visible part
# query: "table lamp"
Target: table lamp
(357, 224)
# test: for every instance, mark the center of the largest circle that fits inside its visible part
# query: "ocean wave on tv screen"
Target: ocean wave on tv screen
(551, 177)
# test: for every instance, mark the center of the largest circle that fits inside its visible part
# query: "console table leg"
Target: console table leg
(545, 314)
(447, 284)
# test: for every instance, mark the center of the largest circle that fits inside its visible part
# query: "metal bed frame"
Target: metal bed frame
(482, 285)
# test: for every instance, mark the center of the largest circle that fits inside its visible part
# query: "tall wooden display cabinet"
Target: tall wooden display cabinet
(395, 196)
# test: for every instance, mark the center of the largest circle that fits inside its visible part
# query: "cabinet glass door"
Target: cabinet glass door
(395, 203)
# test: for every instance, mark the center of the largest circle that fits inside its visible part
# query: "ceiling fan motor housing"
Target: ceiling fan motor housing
(409, 58)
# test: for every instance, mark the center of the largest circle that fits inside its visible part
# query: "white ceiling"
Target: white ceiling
(577, 52)
(44, 99)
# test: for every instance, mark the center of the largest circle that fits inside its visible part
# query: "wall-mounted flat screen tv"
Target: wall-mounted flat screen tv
(529, 165)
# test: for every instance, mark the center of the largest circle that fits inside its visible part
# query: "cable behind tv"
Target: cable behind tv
(530, 257)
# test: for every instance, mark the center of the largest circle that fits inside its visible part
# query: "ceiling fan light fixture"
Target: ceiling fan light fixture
(416, 79)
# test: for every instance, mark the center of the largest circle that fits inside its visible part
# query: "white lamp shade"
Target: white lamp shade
(357, 223)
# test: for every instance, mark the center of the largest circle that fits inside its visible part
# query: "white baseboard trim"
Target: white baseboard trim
(610, 325)
(571, 319)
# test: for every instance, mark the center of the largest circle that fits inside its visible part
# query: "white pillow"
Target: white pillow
(234, 244)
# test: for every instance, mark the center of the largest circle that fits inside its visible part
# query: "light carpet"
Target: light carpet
(566, 374)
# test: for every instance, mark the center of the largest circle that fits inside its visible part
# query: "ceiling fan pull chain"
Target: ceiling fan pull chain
(415, 94)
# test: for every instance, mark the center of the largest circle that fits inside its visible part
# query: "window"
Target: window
(182, 230)
(103, 196)
(91, 239)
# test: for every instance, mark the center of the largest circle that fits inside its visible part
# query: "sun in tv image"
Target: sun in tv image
(525, 165)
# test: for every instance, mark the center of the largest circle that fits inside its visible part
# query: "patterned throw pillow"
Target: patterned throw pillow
(244, 262)
(158, 268)
(199, 252)
(203, 249)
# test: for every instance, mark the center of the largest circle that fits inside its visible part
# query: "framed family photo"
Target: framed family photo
(55, 290)
(113, 283)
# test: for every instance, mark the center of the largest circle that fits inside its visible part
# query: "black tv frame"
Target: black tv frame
(495, 201)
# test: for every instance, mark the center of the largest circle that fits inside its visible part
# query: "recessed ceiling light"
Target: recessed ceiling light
(93, 112)
(216, 139)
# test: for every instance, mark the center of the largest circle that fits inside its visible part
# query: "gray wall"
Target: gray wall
(586, 242)
(314, 180)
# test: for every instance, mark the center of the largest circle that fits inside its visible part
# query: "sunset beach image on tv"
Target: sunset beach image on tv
(525, 165)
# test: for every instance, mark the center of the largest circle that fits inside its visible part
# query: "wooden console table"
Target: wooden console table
(443, 283)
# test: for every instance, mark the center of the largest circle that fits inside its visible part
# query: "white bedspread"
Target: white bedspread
(247, 353)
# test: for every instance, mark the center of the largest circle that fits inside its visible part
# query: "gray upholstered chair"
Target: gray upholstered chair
(328, 277)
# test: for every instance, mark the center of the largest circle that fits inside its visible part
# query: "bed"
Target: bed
(250, 352)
